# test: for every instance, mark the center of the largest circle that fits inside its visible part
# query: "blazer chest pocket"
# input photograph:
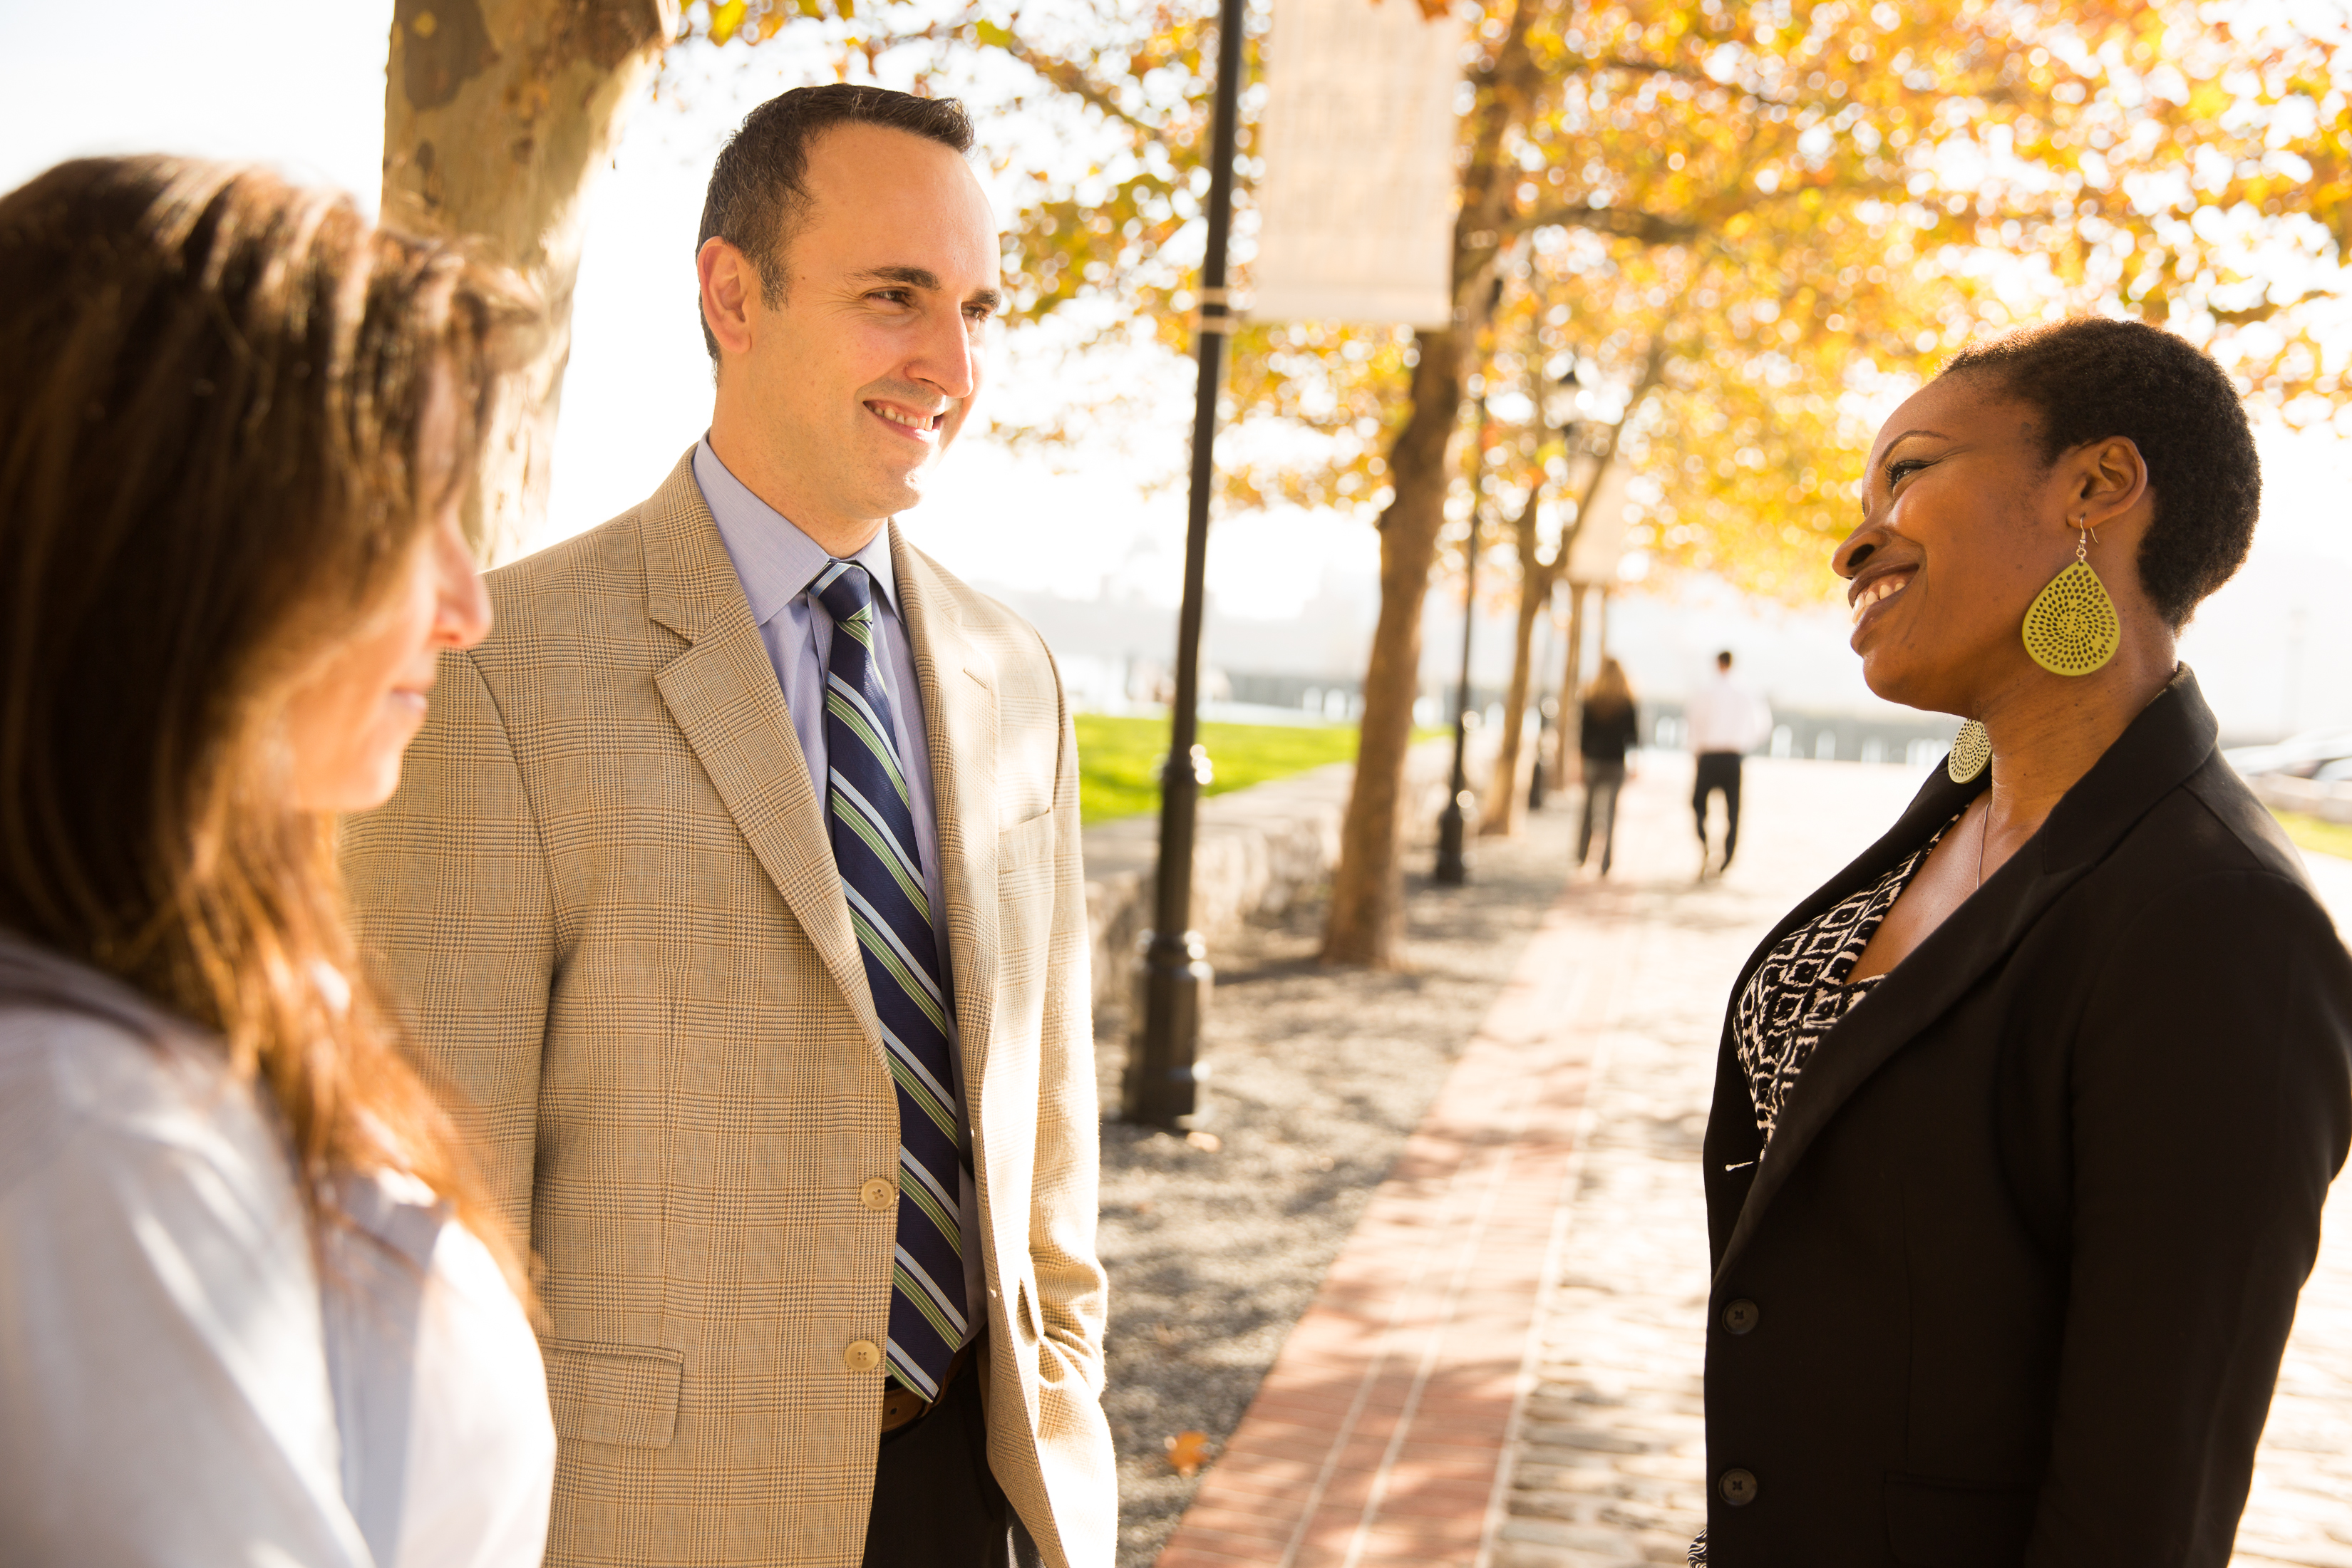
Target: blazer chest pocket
(1956, 1524)
(626, 1395)
(1025, 845)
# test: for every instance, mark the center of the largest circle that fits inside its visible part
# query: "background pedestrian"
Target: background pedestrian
(1725, 722)
(1608, 729)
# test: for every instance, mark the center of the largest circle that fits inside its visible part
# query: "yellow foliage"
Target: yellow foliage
(1808, 201)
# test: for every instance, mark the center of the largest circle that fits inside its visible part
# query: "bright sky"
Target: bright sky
(300, 85)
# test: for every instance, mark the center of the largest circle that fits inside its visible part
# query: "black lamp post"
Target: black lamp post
(1453, 823)
(1163, 1082)
(1538, 779)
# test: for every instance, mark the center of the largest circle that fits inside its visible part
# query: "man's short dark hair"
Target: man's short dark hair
(1723, 660)
(2090, 378)
(758, 186)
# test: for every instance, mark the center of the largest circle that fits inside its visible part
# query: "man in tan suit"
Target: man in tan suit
(733, 889)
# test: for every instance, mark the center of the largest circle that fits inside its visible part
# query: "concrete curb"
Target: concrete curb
(1258, 849)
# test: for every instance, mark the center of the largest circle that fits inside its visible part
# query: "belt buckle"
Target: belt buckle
(902, 1407)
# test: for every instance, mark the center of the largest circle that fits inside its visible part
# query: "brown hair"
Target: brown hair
(1609, 689)
(210, 461)
(757, 185)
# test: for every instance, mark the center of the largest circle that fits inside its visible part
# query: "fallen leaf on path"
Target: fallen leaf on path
(1187, 1452)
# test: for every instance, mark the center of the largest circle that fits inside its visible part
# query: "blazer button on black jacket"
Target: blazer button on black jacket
(2012, 1284)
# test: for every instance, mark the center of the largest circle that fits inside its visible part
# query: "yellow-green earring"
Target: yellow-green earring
(1971, 750)
(2070, 627)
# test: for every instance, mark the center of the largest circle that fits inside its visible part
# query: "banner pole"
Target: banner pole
(1172, 984)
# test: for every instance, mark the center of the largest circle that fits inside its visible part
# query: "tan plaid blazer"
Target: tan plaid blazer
(605, 901)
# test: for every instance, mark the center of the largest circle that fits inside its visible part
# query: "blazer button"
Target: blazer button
(864, 1355)
(1741, 1317)
(877, 1193)
(1737, 1488)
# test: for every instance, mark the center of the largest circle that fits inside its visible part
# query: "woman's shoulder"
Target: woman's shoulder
(2210, 863)
(106, 1090)
(2212, 826)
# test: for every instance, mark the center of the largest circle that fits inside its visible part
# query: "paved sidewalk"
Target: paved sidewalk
(1502, 1368)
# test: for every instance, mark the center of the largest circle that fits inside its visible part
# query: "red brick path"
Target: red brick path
(1380, 1437)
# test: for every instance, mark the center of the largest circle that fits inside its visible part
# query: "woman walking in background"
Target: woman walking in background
(1608, 729)
(245, 1314)
(2023, 1122)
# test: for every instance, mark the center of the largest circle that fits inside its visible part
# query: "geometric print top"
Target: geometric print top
(1798, 995)
(1799, 991)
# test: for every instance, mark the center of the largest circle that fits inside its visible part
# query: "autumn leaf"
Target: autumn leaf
(1187, 1452)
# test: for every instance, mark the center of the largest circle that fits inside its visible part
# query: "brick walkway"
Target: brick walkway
(1502, 1370)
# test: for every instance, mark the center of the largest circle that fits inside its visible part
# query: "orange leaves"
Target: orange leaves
(756, 21)
(1187, 1452)
(1808, 202)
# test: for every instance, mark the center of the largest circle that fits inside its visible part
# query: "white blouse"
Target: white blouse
(175, 1386)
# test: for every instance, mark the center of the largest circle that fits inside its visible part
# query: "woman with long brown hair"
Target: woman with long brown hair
(246, 1313)
(1607, 730)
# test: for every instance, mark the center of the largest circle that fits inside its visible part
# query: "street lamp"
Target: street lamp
(1163, 1082)
(1452, 823)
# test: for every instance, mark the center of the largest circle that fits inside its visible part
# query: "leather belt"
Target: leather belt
(904, 1407)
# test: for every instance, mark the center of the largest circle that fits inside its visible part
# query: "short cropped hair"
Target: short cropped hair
(758, 186)
(2090, 378)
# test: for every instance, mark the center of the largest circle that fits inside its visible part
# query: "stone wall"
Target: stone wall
(1255, 850)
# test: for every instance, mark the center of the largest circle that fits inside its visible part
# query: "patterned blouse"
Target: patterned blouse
(1800, 990)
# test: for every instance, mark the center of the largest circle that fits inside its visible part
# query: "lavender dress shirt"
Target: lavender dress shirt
(776, 563)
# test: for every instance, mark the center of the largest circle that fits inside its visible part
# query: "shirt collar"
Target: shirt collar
(775, 561)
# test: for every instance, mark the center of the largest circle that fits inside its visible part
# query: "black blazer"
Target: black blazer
(1609, 731)
(2012, 1286)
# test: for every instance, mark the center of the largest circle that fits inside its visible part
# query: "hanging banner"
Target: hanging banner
(1356, 207)
(1600, 538)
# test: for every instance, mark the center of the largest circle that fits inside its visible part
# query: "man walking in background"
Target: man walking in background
(1727, 721)
(733, 885)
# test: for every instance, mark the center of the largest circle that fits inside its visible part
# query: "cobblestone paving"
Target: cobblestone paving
(1606, 1464)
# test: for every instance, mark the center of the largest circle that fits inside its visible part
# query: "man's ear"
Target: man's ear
(729, 284)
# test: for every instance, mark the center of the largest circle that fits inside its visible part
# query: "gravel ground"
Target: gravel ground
(1317, 1078)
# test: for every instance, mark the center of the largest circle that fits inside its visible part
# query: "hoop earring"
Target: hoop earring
(1972, 753)
(2071, 628)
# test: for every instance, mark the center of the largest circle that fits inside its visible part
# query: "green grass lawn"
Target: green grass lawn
(1119, 758)
(2310, 832)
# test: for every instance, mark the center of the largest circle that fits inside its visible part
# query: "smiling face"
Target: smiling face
(835, 398)
(1963, 525)
(352, 713)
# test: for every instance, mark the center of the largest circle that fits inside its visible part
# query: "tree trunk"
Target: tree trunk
(1367, 918)
(1500, 816)
(498, 115)
(1571, 688)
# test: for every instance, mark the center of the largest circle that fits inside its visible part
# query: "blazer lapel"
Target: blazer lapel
(957, 680)
(723, 694)
(2169, 740)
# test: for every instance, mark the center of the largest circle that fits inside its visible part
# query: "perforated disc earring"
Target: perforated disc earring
(1971, 750)
(2070, 627)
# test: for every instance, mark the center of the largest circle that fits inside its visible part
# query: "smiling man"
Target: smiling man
(733, 889)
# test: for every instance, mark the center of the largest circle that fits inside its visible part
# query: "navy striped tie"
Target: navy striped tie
(872, 820)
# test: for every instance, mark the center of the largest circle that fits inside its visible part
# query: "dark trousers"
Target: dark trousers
(936, 1505)
(1602, 780)
(1718, 771)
